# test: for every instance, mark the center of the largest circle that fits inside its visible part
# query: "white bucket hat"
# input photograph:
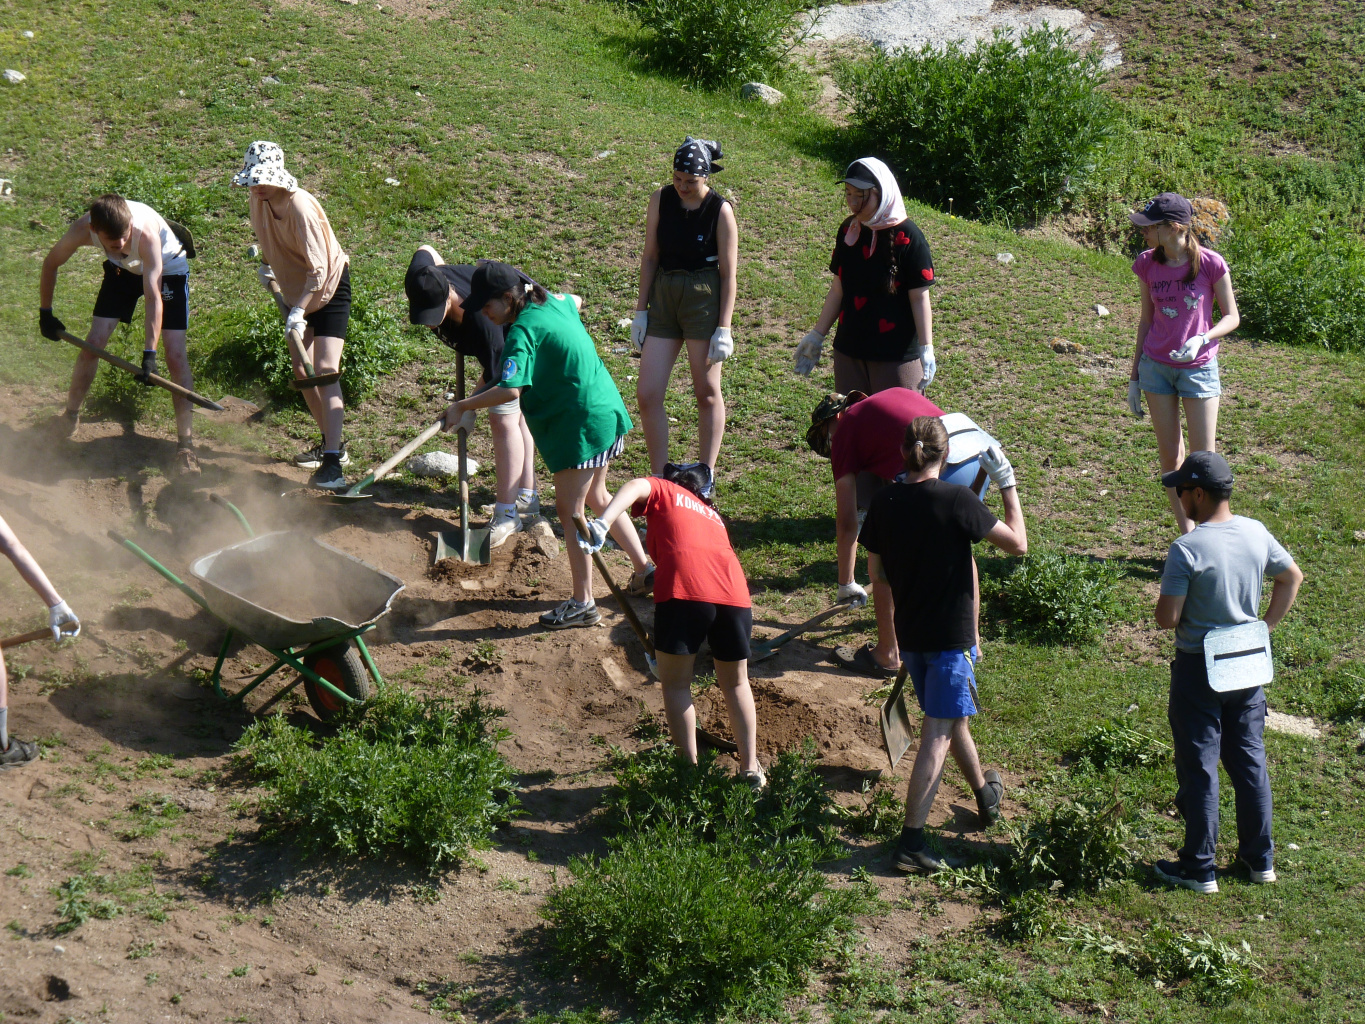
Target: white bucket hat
(265, 166)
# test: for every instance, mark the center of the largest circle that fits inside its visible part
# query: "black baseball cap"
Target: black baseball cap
(859, 176)
(1169, 206)
(490, 280)
(1208, 470)
(428, 291)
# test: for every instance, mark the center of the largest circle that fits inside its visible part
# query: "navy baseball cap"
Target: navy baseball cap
(490, 280)
(1208, 470)
(1169, 206)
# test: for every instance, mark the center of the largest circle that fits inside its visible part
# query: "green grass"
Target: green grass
(500, 156)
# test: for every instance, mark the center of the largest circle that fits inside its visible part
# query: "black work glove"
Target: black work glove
(49, 325)
(148, 366)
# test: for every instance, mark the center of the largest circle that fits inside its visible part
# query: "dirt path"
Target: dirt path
(251, 931)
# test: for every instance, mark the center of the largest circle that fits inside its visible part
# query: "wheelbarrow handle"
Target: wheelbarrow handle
(169, 576)
(136, 371)
(625, 605)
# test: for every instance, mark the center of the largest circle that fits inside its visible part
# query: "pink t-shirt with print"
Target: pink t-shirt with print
(1181, 310)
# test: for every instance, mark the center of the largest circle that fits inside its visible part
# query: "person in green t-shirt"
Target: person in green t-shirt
(575, 413)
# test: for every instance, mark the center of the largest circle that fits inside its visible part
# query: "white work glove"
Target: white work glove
(1187, 352)
(59, 615)
(722, 346)
(597, 536)
(808, 352)
(639, 324)
(854, 594)
(1135, 398)
(930, 366)
(468, 421)
(997, 467)
(265, 275)
(295, 322)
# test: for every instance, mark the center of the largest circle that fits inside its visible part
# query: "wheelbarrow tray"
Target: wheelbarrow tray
(286, 590)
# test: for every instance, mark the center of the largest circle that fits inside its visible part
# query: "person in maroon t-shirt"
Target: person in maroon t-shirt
(700, 593)
(861, 436)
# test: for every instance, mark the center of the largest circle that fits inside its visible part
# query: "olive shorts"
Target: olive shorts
(684, 304)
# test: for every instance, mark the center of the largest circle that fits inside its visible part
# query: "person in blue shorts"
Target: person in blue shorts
(919, 534)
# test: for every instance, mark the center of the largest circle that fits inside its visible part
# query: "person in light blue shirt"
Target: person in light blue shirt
(1212, 579)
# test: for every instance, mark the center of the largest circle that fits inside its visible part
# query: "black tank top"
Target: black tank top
(687, 238)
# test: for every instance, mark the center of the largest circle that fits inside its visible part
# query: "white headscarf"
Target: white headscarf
(891, 210)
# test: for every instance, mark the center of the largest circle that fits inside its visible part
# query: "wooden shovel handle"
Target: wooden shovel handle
(136, 371)
(25, 638)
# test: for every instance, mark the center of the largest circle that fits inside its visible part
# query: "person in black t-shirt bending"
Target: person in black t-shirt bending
(686, 298)
(435, 290)
(919, 534)
(880, 293)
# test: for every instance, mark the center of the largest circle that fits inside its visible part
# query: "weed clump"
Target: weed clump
(1008, 128)
(1060, 599)
(722, 41)
(1081, 844)
(421, 775)
(1215, 971)
(1112, 745)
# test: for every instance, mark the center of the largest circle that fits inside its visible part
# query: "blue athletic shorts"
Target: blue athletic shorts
(944, 682)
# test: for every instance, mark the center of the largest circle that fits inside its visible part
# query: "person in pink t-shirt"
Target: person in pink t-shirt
(1176, 361)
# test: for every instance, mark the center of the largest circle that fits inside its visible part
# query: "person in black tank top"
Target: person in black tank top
(686, 297)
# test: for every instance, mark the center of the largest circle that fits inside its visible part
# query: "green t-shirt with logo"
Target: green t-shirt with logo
(567, 396)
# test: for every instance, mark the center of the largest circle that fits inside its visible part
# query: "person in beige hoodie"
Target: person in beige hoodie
(301, 254)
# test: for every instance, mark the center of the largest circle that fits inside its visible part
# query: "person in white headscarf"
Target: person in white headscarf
(882, 271)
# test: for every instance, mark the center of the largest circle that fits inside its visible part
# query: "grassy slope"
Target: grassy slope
(499, 156)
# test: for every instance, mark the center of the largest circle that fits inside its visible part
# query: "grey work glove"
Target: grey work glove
(1135, 399)
(722, 346)
(808, 352)
(639, 324)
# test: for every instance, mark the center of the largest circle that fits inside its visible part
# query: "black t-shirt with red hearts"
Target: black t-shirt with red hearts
(875, 322)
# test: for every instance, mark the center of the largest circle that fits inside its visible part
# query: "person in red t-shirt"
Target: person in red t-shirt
(861, 436)
(700, 593)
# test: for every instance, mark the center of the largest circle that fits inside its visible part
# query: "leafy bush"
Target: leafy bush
(1028, 915)
(881, 815)
(1080, 843)
(1007, 128)
(1115, 745)
(1301, 280)
(1062, 599)
(251, 351)
(418, 774)
(1214, 970)
(714, 42)
(695, 928)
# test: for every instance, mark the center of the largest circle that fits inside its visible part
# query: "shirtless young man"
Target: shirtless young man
(143, 258)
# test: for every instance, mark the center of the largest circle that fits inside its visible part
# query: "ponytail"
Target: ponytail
(926, 443)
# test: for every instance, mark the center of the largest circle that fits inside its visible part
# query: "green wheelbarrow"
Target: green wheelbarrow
(304, 601)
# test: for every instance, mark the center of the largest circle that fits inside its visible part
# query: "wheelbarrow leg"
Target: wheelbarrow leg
(217, 677)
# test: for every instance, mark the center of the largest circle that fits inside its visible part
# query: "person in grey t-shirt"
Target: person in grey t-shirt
(1213, 578)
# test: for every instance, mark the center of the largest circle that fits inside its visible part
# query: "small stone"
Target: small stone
(245, 62)
(1291, 846)
(1005, 257)
(202, 936)
(1103, 493)
(543, 536)
(1359, 535)
(1132, 708)
(626, 321)
(392, 181)
(27, 33)
(271, 80)
(470, 585)
(1066, 348)
(672, 419)
(1101, 310)
(253, 252)
(59, 950)
(180, 93)
(196, 800)
(440, 464)
(759, 91)
(14, 77)
(604, 154)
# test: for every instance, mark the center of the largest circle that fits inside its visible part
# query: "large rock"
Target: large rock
(542, 534)
(440, 464)
(1210, 221)
(759, 91)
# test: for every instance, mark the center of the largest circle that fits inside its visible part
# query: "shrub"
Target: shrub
(1007, 128)
(695, 928)
(722, 41)
(880, 817)
(421, 775)
(251, 351)
(1301, 280)
(1063, 599)
(1079, 843)
(1115, 745)
(1216, 971)
(1028, 915)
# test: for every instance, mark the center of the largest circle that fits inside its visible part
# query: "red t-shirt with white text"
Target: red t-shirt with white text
(690, 548)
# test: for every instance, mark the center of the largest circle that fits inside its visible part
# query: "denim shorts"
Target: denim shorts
(1187, 382)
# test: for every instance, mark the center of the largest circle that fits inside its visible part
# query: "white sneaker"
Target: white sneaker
(525, 506)
(1265, 877)
(502, 529)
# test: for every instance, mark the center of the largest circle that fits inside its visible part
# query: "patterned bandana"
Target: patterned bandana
(265, 166)
(696, 156)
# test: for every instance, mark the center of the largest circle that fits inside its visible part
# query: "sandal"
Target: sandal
(641, 582)
(862, 662)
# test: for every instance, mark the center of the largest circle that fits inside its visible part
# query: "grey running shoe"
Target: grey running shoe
(312, 458)
(499, 531)
(756, 779)
(1265, 877)
(525, 506)
(1175, 873)
(571, 614)
(18, 754)
(329, 476)
(641, 582)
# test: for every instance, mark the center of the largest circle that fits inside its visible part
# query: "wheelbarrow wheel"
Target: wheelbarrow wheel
(343, 668)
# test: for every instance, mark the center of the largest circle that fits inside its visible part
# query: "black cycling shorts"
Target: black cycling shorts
(332, 319)
(120, 290)
(680, 627)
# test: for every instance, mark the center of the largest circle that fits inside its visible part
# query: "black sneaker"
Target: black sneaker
(988, 798)
(916, 862)
(1175, 873)
(571, 614)
(312, 458)
(329, 476)
(18, 754)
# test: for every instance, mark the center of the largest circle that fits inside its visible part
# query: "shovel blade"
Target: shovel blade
(897, 732)
(452, 544)
(758, 652)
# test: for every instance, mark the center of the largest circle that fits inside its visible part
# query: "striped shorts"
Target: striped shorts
(601, 459)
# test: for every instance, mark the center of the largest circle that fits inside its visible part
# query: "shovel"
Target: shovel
(764, 651)
(295, 340)
(136, 371)
(650, 655)
(896, 727)
(378, 473)
(24, 638)
(466, 545)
